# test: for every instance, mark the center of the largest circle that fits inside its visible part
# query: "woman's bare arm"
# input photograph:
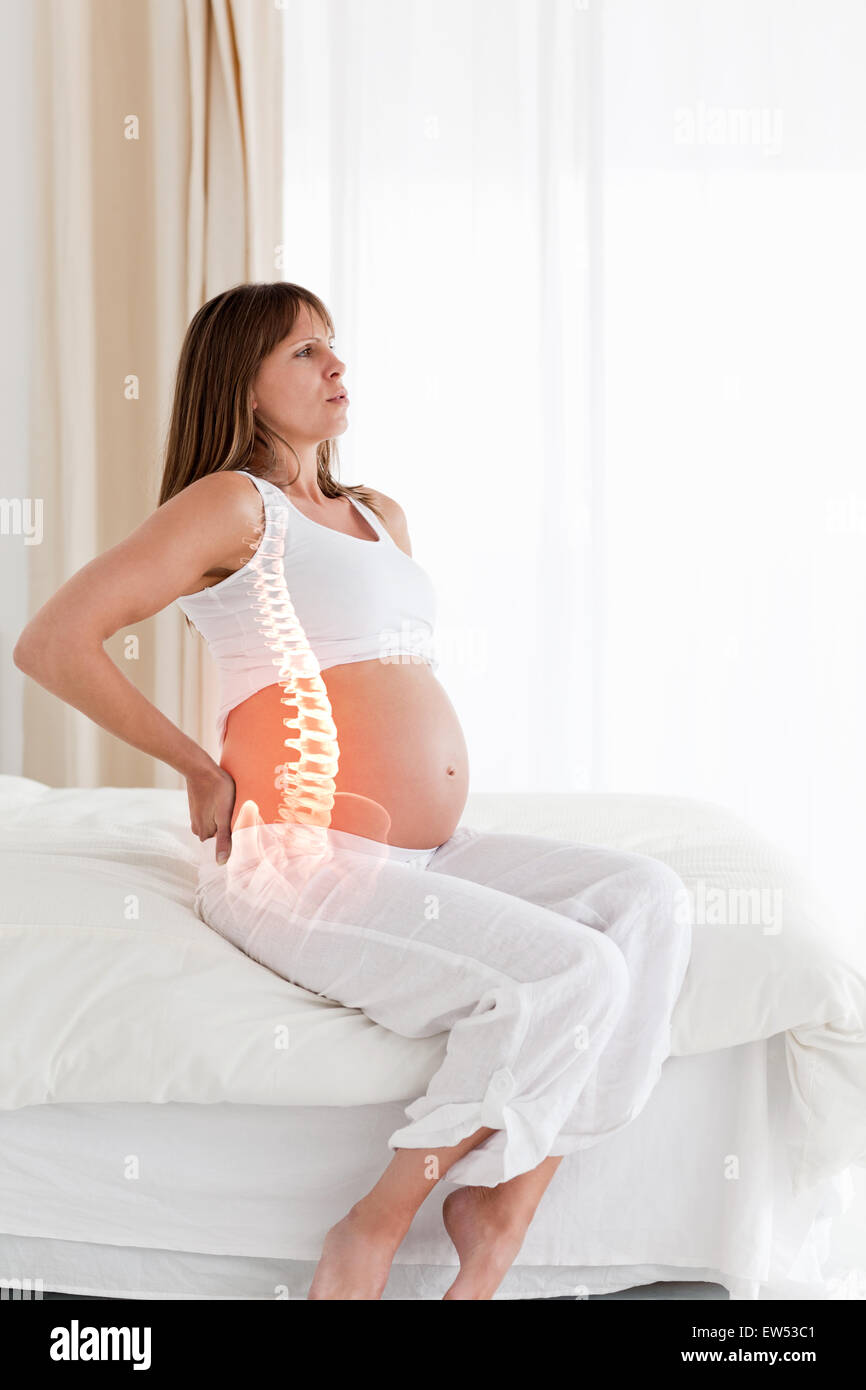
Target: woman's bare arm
(215, 522)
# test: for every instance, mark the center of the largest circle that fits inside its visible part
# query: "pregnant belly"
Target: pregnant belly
(403, 766)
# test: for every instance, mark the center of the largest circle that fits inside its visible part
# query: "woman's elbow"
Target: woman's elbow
(24, 651)
(35, 653)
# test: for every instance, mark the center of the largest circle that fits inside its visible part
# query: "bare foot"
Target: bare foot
(356, 1259)
(486, 1239)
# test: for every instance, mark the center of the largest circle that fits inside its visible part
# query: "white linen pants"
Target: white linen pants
(554, 966)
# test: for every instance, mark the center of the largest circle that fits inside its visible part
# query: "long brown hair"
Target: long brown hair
(213, 427)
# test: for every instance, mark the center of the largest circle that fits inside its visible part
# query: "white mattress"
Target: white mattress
(233, 1201)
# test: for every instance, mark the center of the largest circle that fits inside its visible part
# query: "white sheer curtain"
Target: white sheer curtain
(147, 180)
(598, 281)
(734, 535)
(436, 198)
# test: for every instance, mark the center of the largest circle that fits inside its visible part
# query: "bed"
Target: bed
(176, 1121)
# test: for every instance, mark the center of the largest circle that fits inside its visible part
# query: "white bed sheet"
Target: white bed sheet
(226, 1201)
(112, 989)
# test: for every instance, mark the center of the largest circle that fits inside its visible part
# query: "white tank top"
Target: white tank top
(312, 597)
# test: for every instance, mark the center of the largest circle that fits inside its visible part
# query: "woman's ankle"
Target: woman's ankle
(380, 1219)
(510, 1213)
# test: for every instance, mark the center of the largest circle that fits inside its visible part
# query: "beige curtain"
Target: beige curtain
(159, 151)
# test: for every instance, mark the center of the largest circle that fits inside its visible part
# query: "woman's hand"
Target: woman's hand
(211, 803)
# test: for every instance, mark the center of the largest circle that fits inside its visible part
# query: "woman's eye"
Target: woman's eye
(309, 349)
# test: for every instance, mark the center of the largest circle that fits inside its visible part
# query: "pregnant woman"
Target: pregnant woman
(339, 861)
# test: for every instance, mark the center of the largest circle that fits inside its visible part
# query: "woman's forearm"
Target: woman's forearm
(89, 680)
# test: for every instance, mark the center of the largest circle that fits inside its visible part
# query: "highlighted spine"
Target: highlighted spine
(307, 784)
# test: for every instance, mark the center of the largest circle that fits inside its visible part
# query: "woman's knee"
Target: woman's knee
(672, 897)
(659, 887)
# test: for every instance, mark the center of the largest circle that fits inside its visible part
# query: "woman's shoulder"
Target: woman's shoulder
(393, 516)
(221, 510)
(227, 487)
(223, 479)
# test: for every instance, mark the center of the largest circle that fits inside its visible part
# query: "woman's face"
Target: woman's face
(294, 383)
